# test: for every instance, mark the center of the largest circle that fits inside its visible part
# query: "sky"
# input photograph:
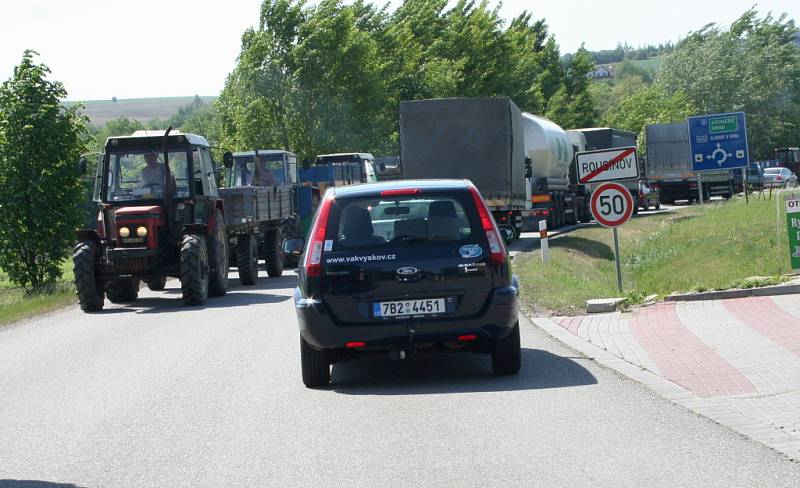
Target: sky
(160, 48)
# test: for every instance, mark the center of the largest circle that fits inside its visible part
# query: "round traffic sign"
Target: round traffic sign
(611, 204)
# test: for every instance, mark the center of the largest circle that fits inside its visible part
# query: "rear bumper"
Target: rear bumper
(319, 330)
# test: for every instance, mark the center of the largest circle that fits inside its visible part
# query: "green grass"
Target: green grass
(692, 250)
(16, 304)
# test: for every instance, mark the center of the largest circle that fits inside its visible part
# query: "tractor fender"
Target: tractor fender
(87, 235)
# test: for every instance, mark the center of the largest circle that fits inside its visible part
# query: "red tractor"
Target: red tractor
(160, 215)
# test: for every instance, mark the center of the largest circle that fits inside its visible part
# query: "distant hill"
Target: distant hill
(141, 109)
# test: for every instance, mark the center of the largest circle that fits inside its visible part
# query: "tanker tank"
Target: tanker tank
(550, 150)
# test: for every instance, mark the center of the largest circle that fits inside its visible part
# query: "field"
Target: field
(691, 250)
(15, 304)
(141, 109)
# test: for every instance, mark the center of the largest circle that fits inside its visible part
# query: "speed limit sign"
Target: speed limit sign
(611, 204)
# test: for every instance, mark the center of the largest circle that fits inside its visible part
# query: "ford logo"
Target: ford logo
(470, 251)
(407, 271)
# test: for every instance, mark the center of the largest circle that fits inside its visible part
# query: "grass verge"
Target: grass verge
(718, 247)
(16, 304)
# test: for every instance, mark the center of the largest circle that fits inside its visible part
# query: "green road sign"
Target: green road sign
(793, 226)
(723, 124)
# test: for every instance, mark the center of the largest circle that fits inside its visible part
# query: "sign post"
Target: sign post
(717, 142)
(612, 206)
(792, 204)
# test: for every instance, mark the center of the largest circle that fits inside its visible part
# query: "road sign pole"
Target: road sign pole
(744, 185)
(700, 188)
(617, 259)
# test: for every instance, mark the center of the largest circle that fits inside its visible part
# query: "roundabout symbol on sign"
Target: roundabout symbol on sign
(611, 204)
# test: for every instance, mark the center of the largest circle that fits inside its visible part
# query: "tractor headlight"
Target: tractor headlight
(141, 231)
(124, 232)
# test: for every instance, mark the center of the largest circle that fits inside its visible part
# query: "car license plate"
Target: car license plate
(408, 307)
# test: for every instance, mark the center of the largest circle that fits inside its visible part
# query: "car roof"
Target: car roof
(361, 155)
(372, 189)
(262, 151)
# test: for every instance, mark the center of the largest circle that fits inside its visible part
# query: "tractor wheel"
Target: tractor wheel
(273, 255)
(123, 291)
(290, 227)
(157, 284)
(218, 254)
(247, 259)
(194, 269)
(90, 293)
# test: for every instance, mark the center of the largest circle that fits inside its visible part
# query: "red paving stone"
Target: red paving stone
(682, 357)
(571, 323)
(766, 317)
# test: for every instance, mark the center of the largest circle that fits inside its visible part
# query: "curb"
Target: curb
(739, 293)
(715, 412)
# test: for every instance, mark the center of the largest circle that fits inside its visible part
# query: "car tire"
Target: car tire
(122, 291)
(315, 366)
(247, 259)
(658, 204)
(646, 206)
(194, 269)
(507, 354)
(91, 295)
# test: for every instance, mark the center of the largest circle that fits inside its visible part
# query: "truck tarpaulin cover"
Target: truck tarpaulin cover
(479, 139)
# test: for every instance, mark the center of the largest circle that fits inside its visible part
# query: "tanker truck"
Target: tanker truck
(519, 162)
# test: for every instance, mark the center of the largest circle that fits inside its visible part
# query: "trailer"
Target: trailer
(260, 209)
(669, 167)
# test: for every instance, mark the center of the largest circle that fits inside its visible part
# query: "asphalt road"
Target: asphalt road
(158, 394)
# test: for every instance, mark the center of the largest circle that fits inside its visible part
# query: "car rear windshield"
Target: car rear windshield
(773, 171)
(401, 220)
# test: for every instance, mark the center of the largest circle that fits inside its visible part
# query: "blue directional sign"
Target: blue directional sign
(718, 142)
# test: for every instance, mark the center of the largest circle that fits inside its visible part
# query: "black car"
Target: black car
(404, 267)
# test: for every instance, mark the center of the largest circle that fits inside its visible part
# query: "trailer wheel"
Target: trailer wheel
(157, 284)
(122, 291)
(290, 227)
(273, 255)
(90, 292)
(218, 253)
(194, 269)
(247, 259)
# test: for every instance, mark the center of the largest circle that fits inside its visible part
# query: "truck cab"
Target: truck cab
(266, 167)
(362, 164)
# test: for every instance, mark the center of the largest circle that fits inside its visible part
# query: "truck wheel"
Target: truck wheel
(290, 227)
(247, 259)
(122, 291)
(218, 254)
(315, 366)
(507, 354)
(157, 284)
(194, 269)
(90, 292)
(273, 255)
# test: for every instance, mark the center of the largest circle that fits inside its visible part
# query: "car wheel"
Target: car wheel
(315, 365)
(658, 204)
(507, 354)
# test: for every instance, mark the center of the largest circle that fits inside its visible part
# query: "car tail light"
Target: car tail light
(779, 177)
(497, 253)
(313, 262)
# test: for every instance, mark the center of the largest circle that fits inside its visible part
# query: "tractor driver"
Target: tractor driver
(263, 175)
(153, 173)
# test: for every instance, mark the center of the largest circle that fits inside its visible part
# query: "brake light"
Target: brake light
(467, 337)
(497, 253)
(355, 344)
(401, 191)
(779, 178)
(314, 252)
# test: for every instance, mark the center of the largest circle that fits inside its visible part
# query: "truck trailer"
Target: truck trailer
(669, 166)
(519, 162)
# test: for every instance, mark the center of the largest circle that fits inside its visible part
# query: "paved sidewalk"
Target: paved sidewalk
(736, 361)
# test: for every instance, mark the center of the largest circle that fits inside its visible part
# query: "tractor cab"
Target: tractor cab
(263, 168)
(158, 200)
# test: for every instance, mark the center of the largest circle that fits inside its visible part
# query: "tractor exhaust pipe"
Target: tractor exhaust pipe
(167, 179)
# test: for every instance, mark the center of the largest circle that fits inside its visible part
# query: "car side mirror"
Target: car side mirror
(293, 246)
(507, 232)
(227, 159)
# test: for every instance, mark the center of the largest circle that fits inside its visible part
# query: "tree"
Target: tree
(753, 67)
(40, 189)
(572, 106)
